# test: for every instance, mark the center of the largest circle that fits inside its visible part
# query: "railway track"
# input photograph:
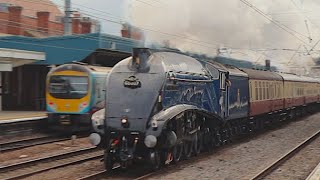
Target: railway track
(97, 175)
(273, 166)
(103, 175)
(23, 143)
(36, 166)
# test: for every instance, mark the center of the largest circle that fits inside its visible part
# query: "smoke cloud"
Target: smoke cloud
(205, 25)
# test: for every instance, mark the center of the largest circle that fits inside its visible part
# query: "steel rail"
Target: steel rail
(24, 143)
(94, 176)
(262, 174)
(49, 159)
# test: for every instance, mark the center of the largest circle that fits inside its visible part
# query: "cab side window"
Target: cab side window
(213, 71)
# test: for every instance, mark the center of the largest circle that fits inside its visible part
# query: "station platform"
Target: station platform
(17, 116)
(315, 174)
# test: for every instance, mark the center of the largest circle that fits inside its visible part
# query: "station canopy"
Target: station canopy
(10, 58)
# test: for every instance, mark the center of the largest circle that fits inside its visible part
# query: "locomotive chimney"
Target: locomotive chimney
(268, 66)
(140, 57)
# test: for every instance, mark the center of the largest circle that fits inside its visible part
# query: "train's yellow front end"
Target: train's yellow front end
(68, 95)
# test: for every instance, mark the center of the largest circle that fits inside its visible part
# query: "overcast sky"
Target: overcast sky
(213, 23)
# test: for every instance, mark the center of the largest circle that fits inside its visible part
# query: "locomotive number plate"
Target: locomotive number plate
(132, 82)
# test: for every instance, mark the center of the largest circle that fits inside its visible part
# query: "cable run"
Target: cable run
(278, 24)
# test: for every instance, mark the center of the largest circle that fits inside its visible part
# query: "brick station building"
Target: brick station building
(42, 19)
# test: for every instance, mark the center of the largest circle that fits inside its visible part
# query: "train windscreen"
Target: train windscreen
(68, 87)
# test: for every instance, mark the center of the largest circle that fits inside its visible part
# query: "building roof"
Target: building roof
(65, 49)
(30, 7)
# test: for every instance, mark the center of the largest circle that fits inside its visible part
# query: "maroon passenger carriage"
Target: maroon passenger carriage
(266, 92)
(299, 92)
(278, 96)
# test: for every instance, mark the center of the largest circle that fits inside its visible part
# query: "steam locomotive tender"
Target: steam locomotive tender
(162, 106)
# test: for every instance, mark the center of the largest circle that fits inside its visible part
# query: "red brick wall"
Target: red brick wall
(3, 22)
(14, 25)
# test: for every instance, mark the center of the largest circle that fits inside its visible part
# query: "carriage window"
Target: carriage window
(260, 91)
(256, 90)
(264, 90)
(267, 89)
(275, 90)
(250, 90)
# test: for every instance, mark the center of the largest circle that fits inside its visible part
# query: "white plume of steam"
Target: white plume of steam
(203, 26)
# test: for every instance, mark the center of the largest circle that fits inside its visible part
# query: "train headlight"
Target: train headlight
(150, 141)
(98, 118)
(125, 122)
(83, 105)
(52, 105)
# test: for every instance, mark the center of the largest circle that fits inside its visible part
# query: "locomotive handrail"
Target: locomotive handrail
(191, 80)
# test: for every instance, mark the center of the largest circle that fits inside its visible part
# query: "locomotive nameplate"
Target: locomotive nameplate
(132, 82)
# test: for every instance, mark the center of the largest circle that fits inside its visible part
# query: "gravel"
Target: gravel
(70, 172)
(299, 166)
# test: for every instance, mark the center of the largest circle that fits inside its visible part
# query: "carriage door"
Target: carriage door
(224, 95)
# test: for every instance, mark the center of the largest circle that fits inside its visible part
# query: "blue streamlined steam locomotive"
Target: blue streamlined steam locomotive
(161, 106)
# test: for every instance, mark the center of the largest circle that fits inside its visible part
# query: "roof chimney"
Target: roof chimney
(125, 31)
(268, 66)
(76, 23)
(85, 25)
(43, 21)
(14, 25)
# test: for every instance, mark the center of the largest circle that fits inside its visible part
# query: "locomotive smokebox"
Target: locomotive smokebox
(140, 57)
(268, 65)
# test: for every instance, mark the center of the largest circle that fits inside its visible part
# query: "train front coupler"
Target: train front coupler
(121, 149)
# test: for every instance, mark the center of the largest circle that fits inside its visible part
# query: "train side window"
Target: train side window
(270, 90)
(279, 91)
(276, 90)
(256, 90)
(213, 71)
(263, 91)
(250, 90)
(222, 81)
(267, 89)
(260, 91)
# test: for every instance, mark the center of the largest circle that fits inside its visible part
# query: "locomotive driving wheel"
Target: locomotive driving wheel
(155, 159)
(177, 152)
(198, 141)
(208, 139)
(188, 147)
(189, 133)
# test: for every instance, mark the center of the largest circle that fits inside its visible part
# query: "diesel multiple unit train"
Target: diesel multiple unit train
(162, 106)
(74, 92)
